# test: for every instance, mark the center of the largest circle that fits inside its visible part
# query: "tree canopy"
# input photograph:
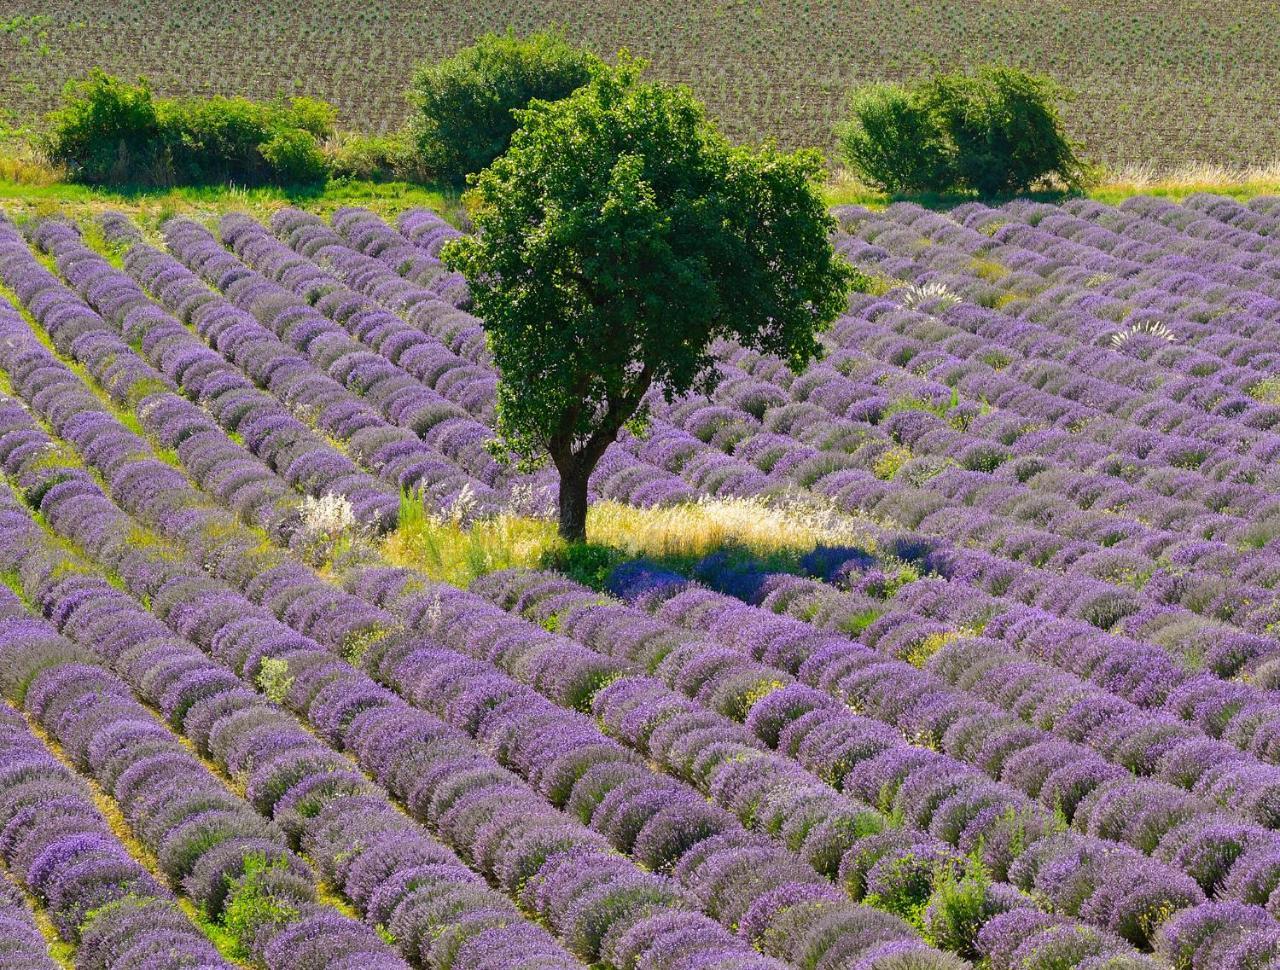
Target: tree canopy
(996, 131)
(618, 238)
(464, 104)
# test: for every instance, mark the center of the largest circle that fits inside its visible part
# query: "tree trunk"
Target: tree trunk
(573, 503)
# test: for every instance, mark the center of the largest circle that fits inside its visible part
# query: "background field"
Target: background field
(1161, 82)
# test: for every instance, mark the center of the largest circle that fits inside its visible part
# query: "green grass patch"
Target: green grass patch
(28, 188)
(23, 198)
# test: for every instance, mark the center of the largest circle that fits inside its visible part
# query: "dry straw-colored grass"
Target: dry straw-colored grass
(450, 551)
(1145, 176)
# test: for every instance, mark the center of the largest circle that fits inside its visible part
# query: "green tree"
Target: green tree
(1006, 130)
(893, 141)
(619, 237)
(997, 131)
(106, 129)
(464, 104)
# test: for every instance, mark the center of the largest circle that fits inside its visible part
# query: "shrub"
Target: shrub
(294, 157)
(105, 130)
(111, 132)
(464, 104)
(588, 563)
(266, 896)
(893, 141)
(994, 132)
(961, 904)
(1007, 132)
(234, 139)
(374, 158)
(274, 679)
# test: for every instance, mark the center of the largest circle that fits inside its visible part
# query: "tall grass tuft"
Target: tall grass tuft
(451, 550)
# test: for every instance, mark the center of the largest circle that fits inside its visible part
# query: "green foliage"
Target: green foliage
(906, 883)
(588, 563)
(619, 236)
(357, 643)
(108, 131)
(1006, 130)
(892, 140)
(274, 679)
(1266, 390)
(25, 22)
(855, 624)
(464, 105)
(251, 902)
(958, 908)
(374, 158)
(996, 131)
(888, 462)
(455, 552)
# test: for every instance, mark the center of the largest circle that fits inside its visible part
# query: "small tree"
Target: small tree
(464, 104)
(995, 132)
(1006, 130)
(893, 141)
(618, 237)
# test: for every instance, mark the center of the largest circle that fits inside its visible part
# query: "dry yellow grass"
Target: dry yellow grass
(700, 528)
(454, 553)
(1115, 185)
(28, 170)
(1146, 176)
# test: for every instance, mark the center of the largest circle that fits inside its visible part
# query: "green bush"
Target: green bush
(893, 141)
(958, 908)
(994, 132)
(589, 563)
(294, 158)
(108, 131)
(374, 158)
(237, 140)
(1006, 129)
(463, 105)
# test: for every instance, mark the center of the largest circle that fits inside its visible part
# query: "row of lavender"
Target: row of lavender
(62, 849)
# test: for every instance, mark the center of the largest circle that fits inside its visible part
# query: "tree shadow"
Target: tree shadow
(729, 567)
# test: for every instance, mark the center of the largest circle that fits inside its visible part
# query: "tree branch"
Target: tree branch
(619, 410)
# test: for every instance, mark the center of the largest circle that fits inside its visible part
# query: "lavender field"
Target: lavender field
(1018, 712)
